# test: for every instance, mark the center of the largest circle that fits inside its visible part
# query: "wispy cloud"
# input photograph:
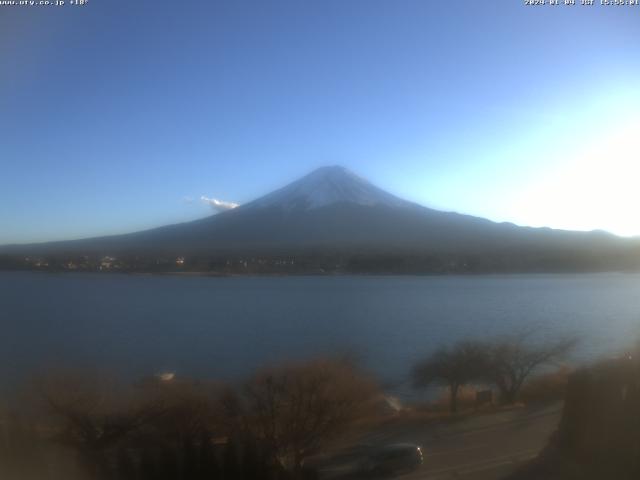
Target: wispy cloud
(219, 205)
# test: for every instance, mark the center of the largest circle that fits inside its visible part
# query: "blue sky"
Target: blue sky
(114, 114)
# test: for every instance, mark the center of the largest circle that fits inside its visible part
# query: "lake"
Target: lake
(139, 325)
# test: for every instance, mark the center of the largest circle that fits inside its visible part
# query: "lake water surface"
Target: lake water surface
(226, 327)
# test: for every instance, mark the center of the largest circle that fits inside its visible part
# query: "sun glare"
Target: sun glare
(595, 188)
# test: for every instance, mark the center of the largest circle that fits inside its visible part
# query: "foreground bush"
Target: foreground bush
(297, 409)
(89, 427)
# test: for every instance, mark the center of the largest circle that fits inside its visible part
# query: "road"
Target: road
(480, 447)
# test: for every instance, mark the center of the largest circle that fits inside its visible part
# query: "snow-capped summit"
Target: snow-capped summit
(326, 186)
(332, 211)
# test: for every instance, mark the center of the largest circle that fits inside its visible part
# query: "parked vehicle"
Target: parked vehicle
(393, 459)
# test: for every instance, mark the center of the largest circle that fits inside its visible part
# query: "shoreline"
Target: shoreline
(211, 274)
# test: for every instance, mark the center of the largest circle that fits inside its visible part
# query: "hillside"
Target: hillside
(334, 213)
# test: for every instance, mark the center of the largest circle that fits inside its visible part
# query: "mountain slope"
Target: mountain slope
(323, 187)
(332, 210)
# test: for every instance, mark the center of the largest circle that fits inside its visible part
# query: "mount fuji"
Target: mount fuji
(327, 186)
(332, 211)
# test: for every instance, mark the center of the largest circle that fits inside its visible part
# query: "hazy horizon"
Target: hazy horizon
(220, 206)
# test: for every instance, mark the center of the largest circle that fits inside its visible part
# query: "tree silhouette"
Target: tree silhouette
(93, 416)
(511, 360)
(452, 367)
(296, 408)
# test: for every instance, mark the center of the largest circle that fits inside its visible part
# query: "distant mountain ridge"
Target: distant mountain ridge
(332, 211)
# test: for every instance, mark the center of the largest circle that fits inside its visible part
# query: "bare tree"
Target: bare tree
(91, 415)
(296, 408)
(511, 360)
(190, 408)
(452, 367)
